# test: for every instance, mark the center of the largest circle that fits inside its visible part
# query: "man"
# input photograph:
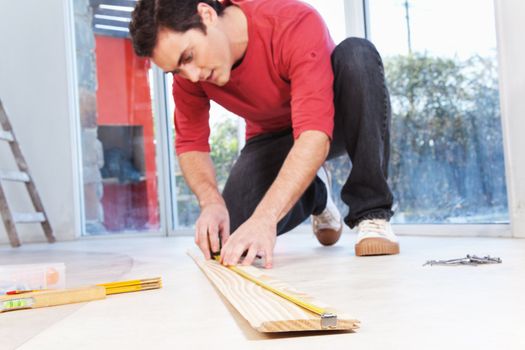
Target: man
(273, 63)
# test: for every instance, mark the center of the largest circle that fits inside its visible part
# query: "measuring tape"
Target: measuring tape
(328, 318)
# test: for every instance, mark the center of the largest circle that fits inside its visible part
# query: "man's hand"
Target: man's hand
(213, 222)
(256, 236)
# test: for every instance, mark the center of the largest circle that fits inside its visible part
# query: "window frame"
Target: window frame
(362, 29)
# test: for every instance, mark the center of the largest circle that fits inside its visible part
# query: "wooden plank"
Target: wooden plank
(28, 218)
(18, 176)
(6, 136)
(264, 310)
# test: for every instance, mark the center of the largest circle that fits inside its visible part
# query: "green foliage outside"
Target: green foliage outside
(224, 149)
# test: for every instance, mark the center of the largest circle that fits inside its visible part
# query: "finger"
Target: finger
(226, 244)
(225, 231)
(268, 258)
(235, 254)
(224, 252)
(202, 232)
(213, 234)
(197, 233)
(248, 260)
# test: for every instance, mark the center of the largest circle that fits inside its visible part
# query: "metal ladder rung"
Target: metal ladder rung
(6, 136)
(18, 176)
(27, 218)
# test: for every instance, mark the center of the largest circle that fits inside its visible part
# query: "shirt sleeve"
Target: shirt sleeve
(306, 51)
(192, 112)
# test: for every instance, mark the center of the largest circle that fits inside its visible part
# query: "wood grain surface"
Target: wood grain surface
(264, 310)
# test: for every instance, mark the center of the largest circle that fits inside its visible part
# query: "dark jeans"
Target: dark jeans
(362, 131)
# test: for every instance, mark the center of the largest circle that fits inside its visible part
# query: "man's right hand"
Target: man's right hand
(213, 222)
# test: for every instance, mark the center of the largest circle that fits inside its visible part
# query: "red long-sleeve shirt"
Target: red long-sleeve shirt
(285, 79)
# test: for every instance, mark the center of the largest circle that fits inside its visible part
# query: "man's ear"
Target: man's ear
(207, 13)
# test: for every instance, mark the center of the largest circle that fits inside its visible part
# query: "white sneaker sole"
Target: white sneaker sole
(376, 246)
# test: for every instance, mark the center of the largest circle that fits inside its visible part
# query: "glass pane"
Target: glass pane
(118, 125)
(440, 62)
(333, 13)
(226, 140)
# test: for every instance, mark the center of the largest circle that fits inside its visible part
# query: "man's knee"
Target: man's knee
(354, 52)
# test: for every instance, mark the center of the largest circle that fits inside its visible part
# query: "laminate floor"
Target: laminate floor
(400, 303)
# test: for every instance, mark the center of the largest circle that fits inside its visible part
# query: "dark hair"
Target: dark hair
(151, 15)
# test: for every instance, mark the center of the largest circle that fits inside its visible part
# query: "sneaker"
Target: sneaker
(328, 225)
(375, 237)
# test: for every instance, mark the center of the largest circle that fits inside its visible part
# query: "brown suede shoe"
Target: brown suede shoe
(326, 235)
(328, 225)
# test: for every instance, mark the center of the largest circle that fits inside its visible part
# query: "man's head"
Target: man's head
(184, 37)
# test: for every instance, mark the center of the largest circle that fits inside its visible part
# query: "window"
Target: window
(118, 125)
(447, 161)
(226, 141)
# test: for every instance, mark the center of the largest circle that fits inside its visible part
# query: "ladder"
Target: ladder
(22, 175)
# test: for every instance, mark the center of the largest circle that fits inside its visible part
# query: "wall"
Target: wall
(36, 88)
(511, 25)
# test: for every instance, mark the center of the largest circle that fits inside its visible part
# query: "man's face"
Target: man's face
(194, 55)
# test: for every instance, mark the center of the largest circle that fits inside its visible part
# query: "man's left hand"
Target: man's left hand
(256, 236)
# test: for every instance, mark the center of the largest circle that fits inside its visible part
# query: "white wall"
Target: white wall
(35, 89)
(511, 26)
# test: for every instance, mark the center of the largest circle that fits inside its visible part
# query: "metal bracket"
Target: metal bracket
(328, 321)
